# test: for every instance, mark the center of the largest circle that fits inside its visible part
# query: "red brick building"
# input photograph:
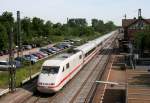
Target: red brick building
(131, 26)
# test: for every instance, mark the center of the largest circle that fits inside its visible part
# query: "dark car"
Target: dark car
(25, 59)
(51, 50)
(61, 47)
(37, 55)
(64, 46)
(44, 50)
(55, 49)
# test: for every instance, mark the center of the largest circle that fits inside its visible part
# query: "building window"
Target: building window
(67, 65)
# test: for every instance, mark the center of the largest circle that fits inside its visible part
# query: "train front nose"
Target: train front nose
(46, 83)
(45, 88)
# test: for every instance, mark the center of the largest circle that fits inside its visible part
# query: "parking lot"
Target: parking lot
(33, 55)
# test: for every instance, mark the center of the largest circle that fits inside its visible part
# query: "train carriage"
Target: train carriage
(56, 72)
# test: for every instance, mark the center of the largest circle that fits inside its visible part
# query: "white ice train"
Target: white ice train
(56, 72)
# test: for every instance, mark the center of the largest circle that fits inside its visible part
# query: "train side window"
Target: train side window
(67, 65)
(63, 69)
(80, 56)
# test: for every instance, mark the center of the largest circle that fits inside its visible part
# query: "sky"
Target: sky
(59, 10)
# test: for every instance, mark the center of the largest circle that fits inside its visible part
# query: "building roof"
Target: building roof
(128, 22)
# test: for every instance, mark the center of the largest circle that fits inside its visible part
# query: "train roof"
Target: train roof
(86, 47)
(56, 61)
(52, 62)
(91, 44)
(63, 56)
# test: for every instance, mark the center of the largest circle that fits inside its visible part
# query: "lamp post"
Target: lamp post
(30, 67)
(12, 69)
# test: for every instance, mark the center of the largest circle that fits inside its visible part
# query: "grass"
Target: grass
(21, 74)
(4, 79)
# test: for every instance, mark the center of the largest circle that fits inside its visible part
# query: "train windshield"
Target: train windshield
(50, 69)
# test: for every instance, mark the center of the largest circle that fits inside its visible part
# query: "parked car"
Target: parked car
(42, 53)
(69, 41)
(17, 64)
(55, 49)
(44, 50)
(20, 59)
(51, 51)
(25, 59)
(64, 46)
(59, 46)
(68, 45)
(27, 47)
(31, 58)
(4, 65)
(37, 55)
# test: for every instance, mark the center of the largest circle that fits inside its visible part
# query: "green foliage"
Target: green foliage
(77, 22)
(142, 40)
(3, 38)
(37, 31)
(102, 27)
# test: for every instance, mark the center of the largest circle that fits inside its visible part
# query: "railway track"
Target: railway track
(92, 90)
(43, 98)
(76, 90)
(94, 95)
(55, 98)
(86, 88)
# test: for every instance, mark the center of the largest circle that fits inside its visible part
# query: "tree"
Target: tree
(142, 40)
(7, 20)
(26, 25)
(37, 26)
(57, 25)
(7, 17)
(3, 38)
(47, 28)
(109, 26)
(95, 23)
(77, 22)
(37, 31)
(6, 23)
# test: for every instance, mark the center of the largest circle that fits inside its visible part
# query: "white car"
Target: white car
(4, 65)
(69, 41)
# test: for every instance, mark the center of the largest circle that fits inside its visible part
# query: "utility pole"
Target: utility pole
(125, 16)
(19, 38)
(67, 20)
(12, 71)
(140, 25)
(139, 13)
